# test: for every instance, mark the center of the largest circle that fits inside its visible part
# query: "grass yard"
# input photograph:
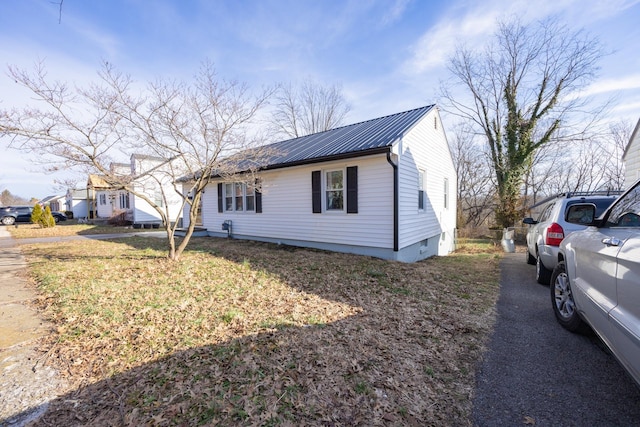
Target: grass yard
(245, 333)
(66, 228)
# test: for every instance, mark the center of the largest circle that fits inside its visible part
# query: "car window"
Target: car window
(580, 214)
(601, 204)
(626, 212)
(546, 212)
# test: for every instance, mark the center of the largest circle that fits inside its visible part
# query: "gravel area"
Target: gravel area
(27, 384)
(26, 387)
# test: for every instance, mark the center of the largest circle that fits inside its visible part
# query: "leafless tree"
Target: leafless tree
(613, 145)
(476, 193)
(197, 128)
(7, 199)
(588, 165)
(522, 94)
(310, 108)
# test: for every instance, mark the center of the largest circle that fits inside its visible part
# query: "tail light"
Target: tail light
(555, 234)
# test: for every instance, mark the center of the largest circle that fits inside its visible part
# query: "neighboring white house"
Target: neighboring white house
(631, 158)
(385, 188)
(110, 201)
(78, 202)
(55, 203)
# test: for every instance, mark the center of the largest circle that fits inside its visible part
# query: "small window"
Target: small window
(250, 198)
(421, 186)
(239, 196)
(446, 193)
(157, 198)
(103, 199)
(228, 197)
(124, 200)
(334, 190)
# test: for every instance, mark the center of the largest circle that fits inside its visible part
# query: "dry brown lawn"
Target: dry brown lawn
(245, 333)
(66, 228)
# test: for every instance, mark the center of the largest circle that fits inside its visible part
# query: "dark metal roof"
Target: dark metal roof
(359, 139)
(376, 135)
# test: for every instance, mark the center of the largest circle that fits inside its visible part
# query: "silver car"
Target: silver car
(552, 225)
(597, 279)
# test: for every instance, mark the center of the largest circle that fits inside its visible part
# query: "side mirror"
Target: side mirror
(583, 214)
(530, 221)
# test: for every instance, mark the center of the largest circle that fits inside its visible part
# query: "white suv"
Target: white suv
(552, 225)
(597, 279)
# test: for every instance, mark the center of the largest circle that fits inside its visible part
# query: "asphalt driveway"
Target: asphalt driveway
(537, 373)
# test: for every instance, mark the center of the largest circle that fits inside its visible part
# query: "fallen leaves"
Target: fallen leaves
(245, 333)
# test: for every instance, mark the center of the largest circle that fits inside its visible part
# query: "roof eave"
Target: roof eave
(341, 156)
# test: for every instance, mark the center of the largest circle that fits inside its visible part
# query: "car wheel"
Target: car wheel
(56, 219)
(562, 301)
(531, 260)
(543, 274)
(8, 220)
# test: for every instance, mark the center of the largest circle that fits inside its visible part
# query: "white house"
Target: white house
(384, 187)
(55, 203)
(78, 202)
(152, 180)
(631, 158)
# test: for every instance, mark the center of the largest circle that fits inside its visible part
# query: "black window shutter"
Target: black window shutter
(316, 191)
(219, 197)
(258, 197)
(352, 189)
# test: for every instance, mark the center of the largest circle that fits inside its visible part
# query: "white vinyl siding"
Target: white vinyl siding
(287, 208)
(632, 162)
(153, 188)
(425, 147)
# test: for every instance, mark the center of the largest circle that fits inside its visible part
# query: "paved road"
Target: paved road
(537, 373)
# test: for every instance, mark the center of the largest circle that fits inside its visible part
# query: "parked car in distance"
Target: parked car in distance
(552, 225)
(597, 279)
(12, 214)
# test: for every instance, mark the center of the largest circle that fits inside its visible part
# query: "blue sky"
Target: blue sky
(388, 56)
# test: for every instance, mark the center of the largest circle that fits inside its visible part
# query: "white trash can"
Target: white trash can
(507, 239)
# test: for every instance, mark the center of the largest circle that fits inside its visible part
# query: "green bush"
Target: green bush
(46, 220)
(36, 214)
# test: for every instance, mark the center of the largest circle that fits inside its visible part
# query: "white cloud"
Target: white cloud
(472, 24)
(395, 12)
(622, 83)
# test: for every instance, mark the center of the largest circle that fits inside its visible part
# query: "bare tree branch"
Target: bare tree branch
(311, 108)
(193, 129)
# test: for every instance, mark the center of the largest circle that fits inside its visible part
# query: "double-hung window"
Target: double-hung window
(238, 197)
(334, 190)
(250, 198)
(124, 200)
(228, 196)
